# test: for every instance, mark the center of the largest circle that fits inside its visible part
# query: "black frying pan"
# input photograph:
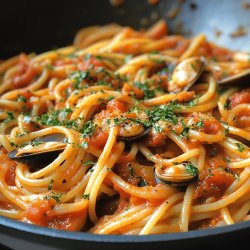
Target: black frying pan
(39, 25)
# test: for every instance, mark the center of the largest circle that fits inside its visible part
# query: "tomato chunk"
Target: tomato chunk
(37, 213)
(240, 97)
(98, 139)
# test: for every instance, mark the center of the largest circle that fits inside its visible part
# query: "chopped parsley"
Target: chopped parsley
(56, 197)
(57, 118)
(226, 127)
(64, 113)
(165, 112)
(103, 83)
(191, 169)
(131, 170)
(21, 98)
(148, 93)
(36, 143)
(200, 124)
(227, 105)
(185, 132)
(157, 128)
(83, 145)
(240, 147)
(10, 117)
(191, 103)
(142, 182)
(79, 76)
(51, 184)
(236, 176)
(89, 163)
(118, 121)
(87, 129)
(86, 196)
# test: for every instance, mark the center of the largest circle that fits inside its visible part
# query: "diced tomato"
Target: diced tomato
(123, 203)
(240, 97)
(11, 174)
(125, 158)
(155, 140)
(161, 79)
(214, 179)
(37, 213)
(69, 222)
(211, 126)
(134, 174)
(30, 126)
(8, 167)
(216, 162)
(213, 183)
(98, 139)
(90, 62)
(116, 105)
(137, 201)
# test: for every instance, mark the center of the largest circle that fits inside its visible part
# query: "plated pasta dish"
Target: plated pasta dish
(126, 132)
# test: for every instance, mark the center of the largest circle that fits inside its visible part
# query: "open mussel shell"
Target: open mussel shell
(242, 78)
(135, 137)
(174, 176)
(47, 149)
(36, 160)
(186, 73)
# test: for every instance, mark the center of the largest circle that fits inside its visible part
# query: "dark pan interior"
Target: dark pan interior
(39, 25)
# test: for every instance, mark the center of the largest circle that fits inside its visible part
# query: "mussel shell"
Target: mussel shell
(38, 160)
(171, 183)
(57, 137)
(178, 68)
(178, 181)
(243, 78)
(136, 137)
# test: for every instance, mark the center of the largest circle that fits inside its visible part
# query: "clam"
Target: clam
(175, 176)
(186, 73)
(40, 150)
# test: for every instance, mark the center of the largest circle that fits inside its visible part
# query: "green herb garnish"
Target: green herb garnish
(51, 184)
(86, 196)
(240, 147)
(191, 169)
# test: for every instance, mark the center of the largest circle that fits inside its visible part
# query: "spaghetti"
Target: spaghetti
(142, 148)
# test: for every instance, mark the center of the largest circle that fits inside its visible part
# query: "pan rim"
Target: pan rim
(88, 237)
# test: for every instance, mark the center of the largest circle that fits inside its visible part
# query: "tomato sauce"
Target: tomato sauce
(240, 97)
(214, 179)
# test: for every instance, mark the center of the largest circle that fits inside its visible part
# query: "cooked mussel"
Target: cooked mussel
(40, 150)
(186, 73)
(136, 137)
(242, 78)
(175, 176)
